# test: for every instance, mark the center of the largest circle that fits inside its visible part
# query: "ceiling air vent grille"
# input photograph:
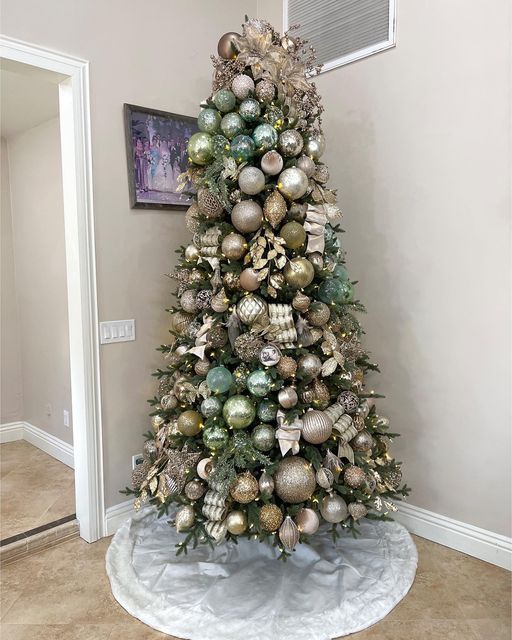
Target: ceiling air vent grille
(343, 30)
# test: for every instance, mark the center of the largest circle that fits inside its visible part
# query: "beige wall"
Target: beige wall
(419, 147)
(11, 398)
(40, 265)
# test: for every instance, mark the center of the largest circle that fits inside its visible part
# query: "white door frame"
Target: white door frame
(81, 274)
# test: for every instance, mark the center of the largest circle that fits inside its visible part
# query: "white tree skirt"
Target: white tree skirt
(242, 592)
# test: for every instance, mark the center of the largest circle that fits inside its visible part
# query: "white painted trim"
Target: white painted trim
(81, 274)
(476, 542)
(115, 516)
(41, 439)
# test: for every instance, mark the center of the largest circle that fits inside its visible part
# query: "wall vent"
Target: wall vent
(343, 31)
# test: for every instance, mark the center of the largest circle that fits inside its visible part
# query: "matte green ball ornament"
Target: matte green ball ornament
(263, 437)
(211, 407)
(219, 379)
(221, 146)
(215, 437)
(242, 148)
(250, 110)
(239, 411)
(293, 235)
(232, 125)
(224, 100)
(259, 383)
(335, 290)
(267, 410)
(265, 137)
(209, 120)
(200, 148)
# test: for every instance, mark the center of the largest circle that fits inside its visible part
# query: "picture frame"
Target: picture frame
(156, 151)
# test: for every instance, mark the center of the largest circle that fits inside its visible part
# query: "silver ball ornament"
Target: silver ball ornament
(287, 397)
(290, 143)
(309, 366)
(192, 253)
(293, 183)
(307, 165)
(247, 216)
(272, 163)
(242, 85)
(251, 180)
(314, 146)
(333, 509)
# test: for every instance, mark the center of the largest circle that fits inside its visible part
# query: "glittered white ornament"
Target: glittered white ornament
(242, 86)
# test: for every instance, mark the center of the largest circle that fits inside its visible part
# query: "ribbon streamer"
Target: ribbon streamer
(288, 434)
(315, 227)
(200, 344)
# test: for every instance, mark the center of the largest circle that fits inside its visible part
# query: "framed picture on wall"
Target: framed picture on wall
(156, 146)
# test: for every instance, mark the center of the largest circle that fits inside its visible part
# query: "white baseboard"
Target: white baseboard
(473, 541)
(51, 445)
(116, 515)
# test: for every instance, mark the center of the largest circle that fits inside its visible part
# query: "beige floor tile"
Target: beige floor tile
(137, 632)
(487, 629)
(56, 632)
(418, 630)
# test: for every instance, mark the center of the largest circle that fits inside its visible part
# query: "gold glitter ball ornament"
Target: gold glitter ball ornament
(188, 301)
(357, 510)
(194, 490)
(180, 322)
(190, 423)
(234, 246)
(354, 477)
(209, 204)
(217, 337)
(274, 208)
(318, 314)
(286, 367)
(293, 234)
(236, 522)
(299, 272)
(294, 480)
(245, 489)
(271, 517)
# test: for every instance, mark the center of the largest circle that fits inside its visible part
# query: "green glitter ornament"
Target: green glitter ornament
(259, 383)
(219, 379)
(239, 412)
(200, 148)
(335, 290)
(265, 137)
(215, 437)
(267, 410)
(209, 120)
(224, 100)
(250, 110)
(242, 148)
(211, 407)
(232, 125)
(221, 146)
(263, 437)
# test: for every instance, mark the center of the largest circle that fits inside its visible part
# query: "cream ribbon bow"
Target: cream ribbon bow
(315, 227)
(200, 345)
(288, 434)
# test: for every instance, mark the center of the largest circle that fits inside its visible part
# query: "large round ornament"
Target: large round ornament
(266, 484)
(249, 308)
(267, 410)
(251, 180)
(250, 110)
(265, 137)
(245, 489)
(232, 125)
(217, 337)
(272, 163)
(318, 314)
(316, 427)
(219, 379)
(294, 480)
(242, 148)
(334, 290)
(290, 143)
(215, 437)
(263, 437)
(224, 100)
(270, 355)
(333, 508)
(308, 366)
(307, 165)
(249, 279)
(239, 411)
(362, 442)
(265, 91)
(226, 47)
(209, 120)
(200, 148)
(307, 521)
(299, 272)
(259, 383)
(293, 235)
(270, 517)
(194, 489)
(234, 246)
(190, 423)
(354, 476)
(236, 522)
(242, 85)
(287, 397)
(314, 146)
(185, 517)
(211, 407)
(292, 183)
(247, 216)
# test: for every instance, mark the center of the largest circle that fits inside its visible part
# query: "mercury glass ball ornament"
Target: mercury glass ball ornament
(226, 47)
(245, 489)
(354, 476)
(251, 180)
(299, 273)
(290, 143)
(334, 290)
(234, 246)
(259, 383)
(191, 253)
(267, 410)
(220, 145)
(266, 483)
(265, 137)
(239, 411)
(293, 235)
(185, 517)
(242, 85)
(242, 148)
(190, 423)
(250, 110)
(318, 314)
(314, 146)
(247, 216)
(194, 489)
(274, 116)
(232, 125)
(236, 522)
(272, 163)
(200, 148)
(362, 442)
(215, 437)
(293, 183)
(307, 165)
(249, 279)
(224, 100)
(211, 407)
(209, 120)
(307, 521)
(294, 480)
(263, 437)
(316, 260)
(271, 517)
(340, 272)
(265, 91)
(287, 397)
(333, 508)
(308, 366)
(219, 379)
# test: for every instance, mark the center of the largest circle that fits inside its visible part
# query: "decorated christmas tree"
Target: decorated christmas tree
(263, 425)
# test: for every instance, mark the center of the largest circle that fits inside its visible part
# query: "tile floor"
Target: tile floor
(63, 594)
(35, 488)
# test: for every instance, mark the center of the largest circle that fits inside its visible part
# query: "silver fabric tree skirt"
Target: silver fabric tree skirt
(241, 592)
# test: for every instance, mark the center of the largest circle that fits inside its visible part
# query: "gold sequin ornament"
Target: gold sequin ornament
(194, 489)
(209, 204)
(245, 489)
(274, 208)
(271, 517)
(217, 337)
(286, 367)
(318, 314)
(354, 477)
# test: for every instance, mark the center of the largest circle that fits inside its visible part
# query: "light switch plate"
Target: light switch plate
(117, 331)
(137, 459)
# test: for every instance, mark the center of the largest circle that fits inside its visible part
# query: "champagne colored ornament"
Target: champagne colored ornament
(299, 272)
(287, 397)
(307, 165)
(289, 534)
(188, 301)
(349, 400)
(191, 218)
(251, 180)
(192, 253)
(292, 183)
(247, 346)
(270, 517)
(357, 510)
(157, 421)
(219, 379)
(247, 216)
(301, 301)
(293, 235)
(245, 489)
(234, 246)
(236, 522)
(242, 85)
(307, 521)
(316, 260)
(259, 383)
(294, 480)
(309, 366)
(201, 367)
(272, 163)
(250, 307)
(194, 490)
(209, 204)
(324, 478)
(290, 143)
(333, 509)
(362, 442)
(263, 437)
(318, 314)
(215, 437)
(242, 148)
(274, 208)
(211, 406)
(354, 477)
(190, 423)
(267, 410)
(168, 402)
(250, 110)
(226, 48)
(200, 148)
(220, 302)
(266, 485)
(265, 137)
(316, 427)
(204, 468)
(209, 120)
(249, 279)
(232, 125)
(270, 355)
(185, 517)
(224, 100)
(314, 146)
(238, 411)
(265, 91)
(321, 174)
(286, 367)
